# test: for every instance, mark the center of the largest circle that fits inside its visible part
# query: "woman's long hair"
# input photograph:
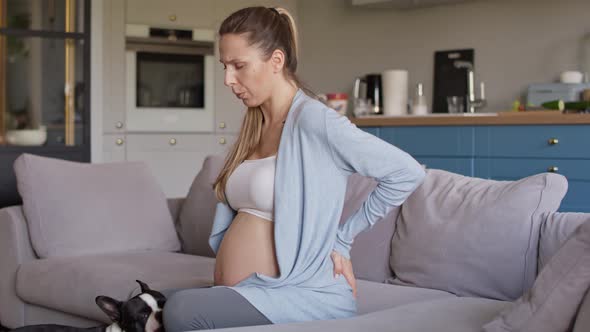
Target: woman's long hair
(269, 29)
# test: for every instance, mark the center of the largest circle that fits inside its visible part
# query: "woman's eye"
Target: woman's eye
(239, 66)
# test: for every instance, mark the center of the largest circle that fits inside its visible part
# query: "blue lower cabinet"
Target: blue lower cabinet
(503, 152)
(438, 141)
(463, 166)
(577, 198)
(533, 141)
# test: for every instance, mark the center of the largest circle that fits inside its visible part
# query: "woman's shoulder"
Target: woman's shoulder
(312, 114)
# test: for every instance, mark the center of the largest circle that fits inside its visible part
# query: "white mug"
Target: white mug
(395, 92)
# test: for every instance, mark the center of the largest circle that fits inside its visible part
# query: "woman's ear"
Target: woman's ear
(277, 60)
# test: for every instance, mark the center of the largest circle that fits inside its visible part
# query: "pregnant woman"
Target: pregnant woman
(281, 255)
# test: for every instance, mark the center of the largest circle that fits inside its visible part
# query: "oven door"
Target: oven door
(169, 91)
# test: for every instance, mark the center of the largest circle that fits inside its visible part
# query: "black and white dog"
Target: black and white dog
(141, 313)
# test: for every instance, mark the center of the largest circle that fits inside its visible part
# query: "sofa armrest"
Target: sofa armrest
(582, 323)
(15, 249)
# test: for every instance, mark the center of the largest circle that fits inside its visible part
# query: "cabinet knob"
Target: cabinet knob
(553, 141)
(119, 141)
(119, 125)
(553, 169)
(222, 125)
(172, 17)
(172, 141)
(222, 140)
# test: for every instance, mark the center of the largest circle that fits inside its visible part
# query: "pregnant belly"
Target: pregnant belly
(247, 247)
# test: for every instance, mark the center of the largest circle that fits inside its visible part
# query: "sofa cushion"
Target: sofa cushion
(71, 284)
(198, 209)
(375, 296)
(371, 248)
(472, 236)
(553, 301)
(556, 229)
(75, 208)
(451, 314)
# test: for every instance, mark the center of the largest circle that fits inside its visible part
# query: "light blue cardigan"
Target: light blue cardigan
(318, 150)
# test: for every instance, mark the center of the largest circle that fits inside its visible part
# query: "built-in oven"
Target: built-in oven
(169, 79)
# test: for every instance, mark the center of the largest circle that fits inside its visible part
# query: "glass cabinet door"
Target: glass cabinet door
(43, 95)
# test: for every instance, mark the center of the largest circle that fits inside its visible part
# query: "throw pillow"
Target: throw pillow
(551, 304)
(75, 208)
(198, 209)
(471, 236)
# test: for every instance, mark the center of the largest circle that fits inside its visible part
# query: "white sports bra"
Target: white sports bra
(250, 188)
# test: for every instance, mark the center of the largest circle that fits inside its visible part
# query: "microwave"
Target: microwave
(169, 79)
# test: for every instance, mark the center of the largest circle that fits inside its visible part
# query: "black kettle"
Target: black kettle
(373, 91)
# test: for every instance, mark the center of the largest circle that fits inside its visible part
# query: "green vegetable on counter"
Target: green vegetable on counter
(571, 105)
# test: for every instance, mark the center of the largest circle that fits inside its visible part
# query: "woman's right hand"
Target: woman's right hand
(343, 266)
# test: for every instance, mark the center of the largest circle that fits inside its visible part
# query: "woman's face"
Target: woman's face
(246, 73)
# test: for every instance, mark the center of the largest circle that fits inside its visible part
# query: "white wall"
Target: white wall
(516, 42)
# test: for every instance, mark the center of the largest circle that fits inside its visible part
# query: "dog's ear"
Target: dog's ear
(144, 286)
(110, 306)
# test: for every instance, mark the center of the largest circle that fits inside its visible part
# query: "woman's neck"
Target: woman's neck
(276, 108)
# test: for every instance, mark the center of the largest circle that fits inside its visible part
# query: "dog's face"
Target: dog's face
(142, 313)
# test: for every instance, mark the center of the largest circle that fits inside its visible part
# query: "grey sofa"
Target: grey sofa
(62, 289)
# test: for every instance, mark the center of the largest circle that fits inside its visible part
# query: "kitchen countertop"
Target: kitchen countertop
(500, 118)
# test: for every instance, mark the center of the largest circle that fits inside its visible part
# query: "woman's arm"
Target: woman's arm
(356, 151)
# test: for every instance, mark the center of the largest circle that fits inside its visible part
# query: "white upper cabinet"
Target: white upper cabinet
(402, 3)
(172, 13)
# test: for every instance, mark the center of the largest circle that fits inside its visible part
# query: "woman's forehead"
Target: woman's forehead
(234, 47)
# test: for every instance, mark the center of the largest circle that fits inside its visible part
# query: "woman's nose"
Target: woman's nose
(228, 79)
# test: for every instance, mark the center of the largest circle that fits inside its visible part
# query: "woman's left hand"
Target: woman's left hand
(343, 266)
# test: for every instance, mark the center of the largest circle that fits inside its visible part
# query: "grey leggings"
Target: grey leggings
(204, 308)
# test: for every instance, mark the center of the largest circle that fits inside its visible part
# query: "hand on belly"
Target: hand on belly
(247, 247)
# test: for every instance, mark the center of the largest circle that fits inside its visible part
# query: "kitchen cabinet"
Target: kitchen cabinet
(502, 152)
(175, 159)
(172, 13)
(402, 4)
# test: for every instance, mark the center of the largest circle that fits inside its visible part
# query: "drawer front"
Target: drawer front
(431, 141)
(462, 166)
(512, 169)
(169, 142)
(533, 141)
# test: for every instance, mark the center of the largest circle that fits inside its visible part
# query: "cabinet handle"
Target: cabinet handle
(172, 141)
(119, 141)
(553, 141)
(222, 125)
(119, 125)
(222, 140)
(172, 17)
(553, 169)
